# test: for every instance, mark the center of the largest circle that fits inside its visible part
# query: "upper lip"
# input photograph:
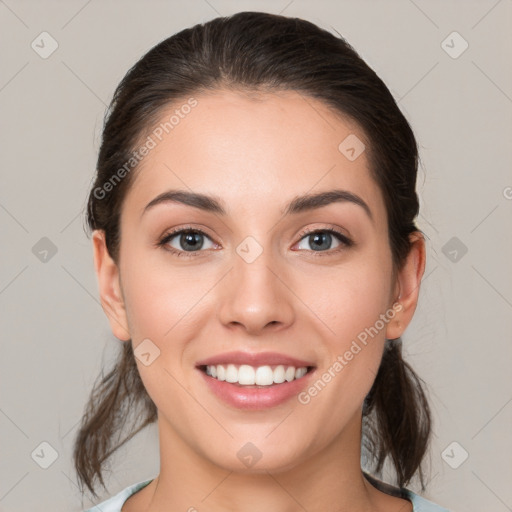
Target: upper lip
(251, 359)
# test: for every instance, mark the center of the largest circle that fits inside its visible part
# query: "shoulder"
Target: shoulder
(115, 503)
(419, 504)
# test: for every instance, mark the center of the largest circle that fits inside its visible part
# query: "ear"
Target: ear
(407, 287)
(112, 300)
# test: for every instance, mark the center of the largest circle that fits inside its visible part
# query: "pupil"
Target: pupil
(192, 239)
(317, 236)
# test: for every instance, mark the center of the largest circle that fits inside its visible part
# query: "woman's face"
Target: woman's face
(253, 282)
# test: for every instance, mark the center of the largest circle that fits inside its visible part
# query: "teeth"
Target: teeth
(246, 375)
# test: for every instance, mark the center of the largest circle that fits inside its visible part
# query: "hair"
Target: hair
(260, 52)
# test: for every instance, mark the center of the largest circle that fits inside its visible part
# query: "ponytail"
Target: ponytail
(396, 416)
(113, 399)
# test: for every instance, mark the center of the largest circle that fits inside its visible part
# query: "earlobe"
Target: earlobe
(408, 283)
(111, 297)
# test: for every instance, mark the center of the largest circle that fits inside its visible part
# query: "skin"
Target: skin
(252, 152)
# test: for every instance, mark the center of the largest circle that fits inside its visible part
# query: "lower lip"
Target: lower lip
(254, 398)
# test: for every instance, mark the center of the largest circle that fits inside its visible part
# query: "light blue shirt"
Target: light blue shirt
(419, 504)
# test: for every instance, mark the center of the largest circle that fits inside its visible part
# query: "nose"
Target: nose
(256, 296)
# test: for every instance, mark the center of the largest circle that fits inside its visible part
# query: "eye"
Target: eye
(321, 239)
(189, 241)
(183, 241)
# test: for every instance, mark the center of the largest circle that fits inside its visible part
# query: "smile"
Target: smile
(246, 375)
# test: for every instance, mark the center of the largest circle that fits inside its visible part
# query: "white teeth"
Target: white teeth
(231, 373)
(221, 372)
(264, 376)
(247, 375)
(279, 374)
(300, 372)
(290, 373)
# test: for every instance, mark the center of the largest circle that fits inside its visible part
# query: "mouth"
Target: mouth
(247, 376)
(255, 381)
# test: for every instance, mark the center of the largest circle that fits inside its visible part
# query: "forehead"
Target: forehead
(253, 150)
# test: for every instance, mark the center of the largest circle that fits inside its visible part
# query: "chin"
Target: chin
(254, 457)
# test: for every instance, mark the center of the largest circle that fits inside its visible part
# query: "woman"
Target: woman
(256, 252)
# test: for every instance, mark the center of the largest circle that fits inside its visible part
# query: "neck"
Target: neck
(329, 479)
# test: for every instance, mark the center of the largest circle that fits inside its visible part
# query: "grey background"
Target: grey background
(55, 336)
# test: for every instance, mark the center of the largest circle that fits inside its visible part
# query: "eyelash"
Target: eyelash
(345, 241)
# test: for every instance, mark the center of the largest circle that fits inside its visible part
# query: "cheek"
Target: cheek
(351, 302)
(353, 348)
(159, 297)
(347, 299)
(161, 306)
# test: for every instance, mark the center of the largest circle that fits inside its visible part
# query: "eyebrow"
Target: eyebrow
(297, 205)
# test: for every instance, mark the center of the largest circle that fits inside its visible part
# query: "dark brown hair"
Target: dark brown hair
(259, 52)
